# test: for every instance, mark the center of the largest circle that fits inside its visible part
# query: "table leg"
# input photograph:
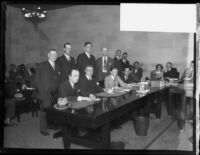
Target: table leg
(169, 104)
(182, 115)
(106, 136)
(66, 130)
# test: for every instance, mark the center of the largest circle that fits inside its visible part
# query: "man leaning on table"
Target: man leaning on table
(70, 89)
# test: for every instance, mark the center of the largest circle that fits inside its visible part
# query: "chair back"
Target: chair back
(54, 96)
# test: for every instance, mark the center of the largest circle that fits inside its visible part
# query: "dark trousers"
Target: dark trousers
(101, 83)
(43, 120)
(10, 108)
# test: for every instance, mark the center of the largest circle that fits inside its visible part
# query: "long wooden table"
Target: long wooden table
(101, 113)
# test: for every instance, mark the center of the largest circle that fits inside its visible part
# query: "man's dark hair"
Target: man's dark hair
(67, 44)
(160, 66)
(86, 43)
(72, 69)
(113, 67)
(135, 63)
(129, 67)
(125, 53)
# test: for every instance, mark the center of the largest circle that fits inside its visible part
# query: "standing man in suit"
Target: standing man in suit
(188, 74)
(85, 59)
(66, 61)
(103, 65)
(117, 62)
(47, 80)
(88, 85)
(124, 61)
(137, 71)
(170, 72)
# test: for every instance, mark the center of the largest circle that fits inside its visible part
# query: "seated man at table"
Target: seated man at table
(113, 80)
(127, 77)
(69, 87)
(88, 85)
(170, 72)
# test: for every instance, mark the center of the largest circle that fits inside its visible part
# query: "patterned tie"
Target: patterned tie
(69, 58)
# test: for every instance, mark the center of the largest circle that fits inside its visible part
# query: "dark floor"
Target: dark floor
(162, 135)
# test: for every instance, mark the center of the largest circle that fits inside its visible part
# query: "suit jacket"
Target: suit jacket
(83, 60)
(109, 82)
(88, 87)
(137, 73)
(100, 75)
(118, 65)
(130, 79)
(124, 64)
(171, 74)
(66, 90)
(47, 79)
(65, 66)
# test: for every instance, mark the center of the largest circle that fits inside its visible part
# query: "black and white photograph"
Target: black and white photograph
(100, 77)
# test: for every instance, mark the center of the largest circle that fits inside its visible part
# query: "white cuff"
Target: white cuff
(79, 98)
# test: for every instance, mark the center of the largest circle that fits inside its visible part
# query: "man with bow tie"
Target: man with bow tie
(86, 58)
(88, 85)
(103, 65)
(47, 80)
(66, 61)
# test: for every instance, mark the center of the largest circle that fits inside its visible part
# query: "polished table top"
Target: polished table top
(96, 113)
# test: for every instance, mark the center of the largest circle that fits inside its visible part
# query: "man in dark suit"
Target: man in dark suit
(66, 62)
(117, 63)
(69, 88)
(170, 72)
(127, 77)
(88, 85)
(103, 65)
(137, 71)
(47, 80)
(124, 61)
(85, 59)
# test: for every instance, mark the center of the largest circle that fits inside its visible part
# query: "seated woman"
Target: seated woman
(157, 74)
(188, 74)
(113, 80)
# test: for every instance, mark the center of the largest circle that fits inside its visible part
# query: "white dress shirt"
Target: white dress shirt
(88, 55)
(52, 64)
(68, 57)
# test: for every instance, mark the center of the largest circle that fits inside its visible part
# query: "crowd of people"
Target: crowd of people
(82, 78)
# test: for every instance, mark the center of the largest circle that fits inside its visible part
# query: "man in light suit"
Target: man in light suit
(103, 65)
(188, 74)
(85, 58)
(114, 81)
(66, 61)
(47, 80)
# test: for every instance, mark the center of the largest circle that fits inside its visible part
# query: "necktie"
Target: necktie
(125, 77)
(69, 58)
